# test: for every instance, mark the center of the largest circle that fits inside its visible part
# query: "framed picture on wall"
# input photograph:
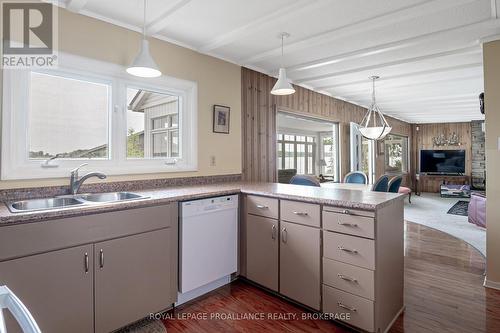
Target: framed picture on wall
(221, 119)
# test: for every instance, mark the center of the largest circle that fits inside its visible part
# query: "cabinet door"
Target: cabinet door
(300, 263)
(56, 287)
(132, 278)
(262, 251)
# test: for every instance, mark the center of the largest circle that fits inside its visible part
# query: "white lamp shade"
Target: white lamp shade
(282, 86)
(375, 133)
(144, 65)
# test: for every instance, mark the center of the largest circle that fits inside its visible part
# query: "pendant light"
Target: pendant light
(374, 126)
(282, 86)
(143, 64)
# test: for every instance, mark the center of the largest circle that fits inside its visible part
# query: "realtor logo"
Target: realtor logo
(28, 34)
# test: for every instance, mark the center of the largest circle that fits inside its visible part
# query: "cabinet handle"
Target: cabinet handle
(346, 211)
(273, 233)
(262, 207)
(301, 213)
(346, 307)
(284, 236)
(353, 251)
(354, 225)
(347, 278)
(101, 258)
(86, 262)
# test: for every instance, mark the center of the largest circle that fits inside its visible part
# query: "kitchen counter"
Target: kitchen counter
(340, 195)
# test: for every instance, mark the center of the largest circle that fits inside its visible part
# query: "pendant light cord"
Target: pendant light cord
(282, 46)
(144, 21)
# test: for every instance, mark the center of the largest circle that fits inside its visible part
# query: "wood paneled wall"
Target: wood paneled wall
(259, 110)
(423, 135)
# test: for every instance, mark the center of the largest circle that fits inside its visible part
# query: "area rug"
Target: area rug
(431, 210)
(145, 326)
(460, 208)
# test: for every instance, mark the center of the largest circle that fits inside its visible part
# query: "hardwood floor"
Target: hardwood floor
(443, 293)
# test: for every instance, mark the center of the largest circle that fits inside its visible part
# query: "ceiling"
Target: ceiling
(427, 52)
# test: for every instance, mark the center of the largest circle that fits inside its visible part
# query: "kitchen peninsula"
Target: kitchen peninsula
(330, 250)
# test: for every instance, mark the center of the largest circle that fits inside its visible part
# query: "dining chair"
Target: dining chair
(23, 317)
(356, 177)
(305, 180)
(381, 185)
(394, 184)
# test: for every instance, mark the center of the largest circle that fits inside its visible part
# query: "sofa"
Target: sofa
(477, 209)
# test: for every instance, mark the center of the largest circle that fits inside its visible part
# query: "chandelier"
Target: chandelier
(374, 126)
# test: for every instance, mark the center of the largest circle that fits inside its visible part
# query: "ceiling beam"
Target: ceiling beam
(249, 28)
(76, 5)
(162, 21)
(365, 83)
(399, 15)
(461, 51)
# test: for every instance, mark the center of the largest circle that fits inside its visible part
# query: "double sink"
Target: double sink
(68, 201)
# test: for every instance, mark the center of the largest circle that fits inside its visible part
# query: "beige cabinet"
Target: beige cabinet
(57, 288)
(262, 251)
(132, 278)
(300, 264)
(127, 270)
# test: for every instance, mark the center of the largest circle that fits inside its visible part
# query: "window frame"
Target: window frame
(306, 144)
(15, 162)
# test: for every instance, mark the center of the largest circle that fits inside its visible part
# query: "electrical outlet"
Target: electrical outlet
(212, 160)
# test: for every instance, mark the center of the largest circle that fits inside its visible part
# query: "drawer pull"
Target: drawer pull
(346, 211)
(284, 235)
(346, 307)
(273, 233)
(301, 213)
(262, 207)
(353, 251)
(354, 225)
(347, 278)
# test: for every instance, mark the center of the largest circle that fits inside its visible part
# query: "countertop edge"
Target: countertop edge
(9, 219)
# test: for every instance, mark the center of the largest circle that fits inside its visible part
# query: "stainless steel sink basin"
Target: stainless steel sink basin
(111, 197)
(68, 201)
(43, 204)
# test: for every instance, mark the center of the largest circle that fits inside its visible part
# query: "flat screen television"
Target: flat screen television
(442, 161)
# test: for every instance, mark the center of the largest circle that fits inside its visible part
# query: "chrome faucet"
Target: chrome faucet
(75, 182)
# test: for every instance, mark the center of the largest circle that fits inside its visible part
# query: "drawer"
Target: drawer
(349, 249)
(349, 211)
(360, 310)
(300, 212)
(349, 224)
(353, 279)
(262, 206)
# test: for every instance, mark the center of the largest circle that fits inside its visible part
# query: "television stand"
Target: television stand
(432, 183)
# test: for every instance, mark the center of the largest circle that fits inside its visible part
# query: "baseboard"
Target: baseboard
(491, 284)
(394, 319)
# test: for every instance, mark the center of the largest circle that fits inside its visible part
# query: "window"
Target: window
(93, 112)
(68, 118)
(152, 124)
(396, 153)
(297, 152)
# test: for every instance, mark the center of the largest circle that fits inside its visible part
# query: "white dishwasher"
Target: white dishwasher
(208, 245)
